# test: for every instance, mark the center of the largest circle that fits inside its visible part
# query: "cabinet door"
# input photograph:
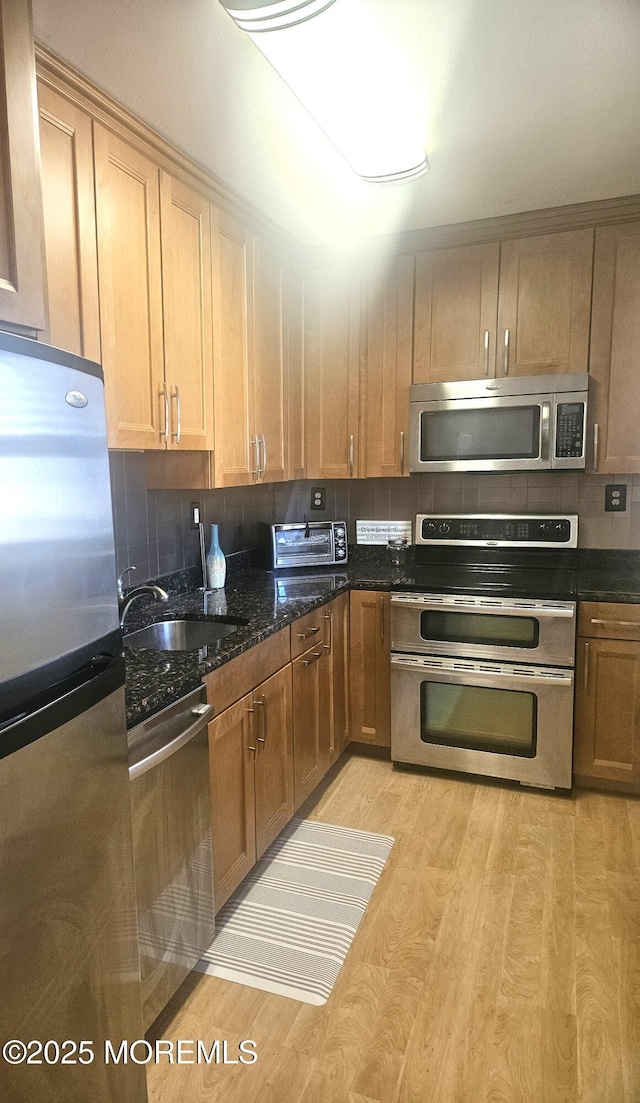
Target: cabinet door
(607, 710)
(545, 304)
(128, 223)
(232, 753)
(272, 702)
(187, 306)
(22, 300)
(615, 350)
(455, 314)
(336, 645)
(389, 311)
(68, 194)
(311, 721)
(370, 667)
(332, 374)
(294, 289)
(269, 363)
(236, 460)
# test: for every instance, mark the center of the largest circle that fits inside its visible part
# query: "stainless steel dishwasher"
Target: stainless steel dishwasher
(169, 775)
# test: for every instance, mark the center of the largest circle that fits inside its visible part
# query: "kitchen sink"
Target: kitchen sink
(183, 635)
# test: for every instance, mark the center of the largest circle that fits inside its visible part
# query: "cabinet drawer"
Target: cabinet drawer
(308, 631)
(609, 620)
(238, 677)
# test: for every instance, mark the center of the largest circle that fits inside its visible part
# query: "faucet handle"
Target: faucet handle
(120, 581)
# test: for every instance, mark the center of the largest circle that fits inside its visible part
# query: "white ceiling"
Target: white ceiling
(521, 104)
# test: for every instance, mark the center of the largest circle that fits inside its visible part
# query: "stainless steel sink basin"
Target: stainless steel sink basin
(182, 635)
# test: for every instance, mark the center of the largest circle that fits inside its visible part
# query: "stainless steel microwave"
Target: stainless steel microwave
(311, 544)
(533, 423)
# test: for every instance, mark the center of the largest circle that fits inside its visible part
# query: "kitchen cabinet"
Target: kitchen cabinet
(370, 667)
(130, 279)
(389, 336)
(456, 313)
(332, 373)
(615, 350)
(185, 244)
(68, 195)
(336, 645)
(270, 375)
(607, 705)
(521, 307)
(251, 771)
(312, 727)
(155, 301)
(22, 290)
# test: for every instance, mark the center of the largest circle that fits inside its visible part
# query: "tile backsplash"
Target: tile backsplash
(153, 533)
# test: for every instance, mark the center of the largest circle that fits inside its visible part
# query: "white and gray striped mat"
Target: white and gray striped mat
(288, 928)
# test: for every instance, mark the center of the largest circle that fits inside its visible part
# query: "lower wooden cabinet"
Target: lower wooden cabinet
(251, 771)
(336, 617)
(311, 719)
(370, 667)
(607, 706)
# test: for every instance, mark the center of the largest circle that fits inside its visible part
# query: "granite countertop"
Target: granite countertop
(269, 600)
(260, 597)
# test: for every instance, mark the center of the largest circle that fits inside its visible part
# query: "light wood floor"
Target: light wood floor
(499, 960)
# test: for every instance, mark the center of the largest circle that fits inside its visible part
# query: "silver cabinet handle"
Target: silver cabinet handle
(506, 352)
(260, 702)
(316, 655)
(176, 394)
(309, 632)
(253, 729)
(351, 454)
(402, 452)
(329, 645)
(618, 623)
(586, 667)
(264, 455)
(486, 352)
(596, 443)
(165, 395)
(255, 471)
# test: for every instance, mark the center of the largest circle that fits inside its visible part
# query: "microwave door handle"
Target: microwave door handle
(545, 426)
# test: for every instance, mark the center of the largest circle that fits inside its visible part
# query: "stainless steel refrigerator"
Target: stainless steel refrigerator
(69, 966)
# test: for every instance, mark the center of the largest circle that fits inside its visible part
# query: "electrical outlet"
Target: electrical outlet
(615, 498)
(196, 514)
(318, 497)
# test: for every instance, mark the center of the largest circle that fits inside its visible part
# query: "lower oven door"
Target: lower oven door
(514, 629)
(501, 720)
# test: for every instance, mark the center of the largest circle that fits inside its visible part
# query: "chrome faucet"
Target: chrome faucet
(125, 601)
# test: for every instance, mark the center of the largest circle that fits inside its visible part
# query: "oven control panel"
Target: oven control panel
(492, 530)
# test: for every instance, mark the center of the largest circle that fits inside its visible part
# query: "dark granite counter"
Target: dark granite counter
(268, 600)
(265, 600)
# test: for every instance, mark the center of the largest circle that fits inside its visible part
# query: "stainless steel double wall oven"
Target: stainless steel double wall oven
(483, 646)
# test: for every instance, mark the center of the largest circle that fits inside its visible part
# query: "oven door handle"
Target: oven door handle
(470, 607)
(470, 674)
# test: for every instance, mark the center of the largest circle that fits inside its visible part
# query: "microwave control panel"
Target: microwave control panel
(570, 430)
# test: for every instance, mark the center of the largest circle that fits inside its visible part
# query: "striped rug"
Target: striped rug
(289, 926)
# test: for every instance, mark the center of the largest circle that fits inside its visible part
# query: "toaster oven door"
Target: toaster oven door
(300, 545)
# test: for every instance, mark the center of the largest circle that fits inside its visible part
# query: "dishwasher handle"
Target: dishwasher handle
(161, 754)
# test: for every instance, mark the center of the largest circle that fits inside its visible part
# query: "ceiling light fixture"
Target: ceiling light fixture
(341, 68)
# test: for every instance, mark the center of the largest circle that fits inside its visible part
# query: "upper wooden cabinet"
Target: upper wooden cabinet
(615, 350)
(388, 304)
(22, 296)
(185, 240)
(456, 313)
(129, 261)
(544, 304)
(270, 375)
(332, 374)
(154, 261)
(519, 308)
(68, 195)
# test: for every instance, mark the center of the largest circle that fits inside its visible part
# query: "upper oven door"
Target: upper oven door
(509, 433)
(299, 545)
(476, 627)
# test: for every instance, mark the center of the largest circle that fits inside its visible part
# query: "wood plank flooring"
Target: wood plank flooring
(498, 961)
